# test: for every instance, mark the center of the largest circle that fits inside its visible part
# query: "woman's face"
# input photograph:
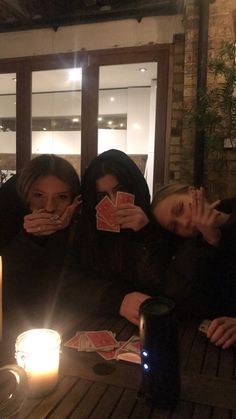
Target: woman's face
(51, 194)
(174, 213)
(107, 185)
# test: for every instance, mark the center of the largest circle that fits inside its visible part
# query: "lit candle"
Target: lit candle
(1, 319)
(38, 352)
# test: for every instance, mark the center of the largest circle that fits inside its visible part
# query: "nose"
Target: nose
(184, 222)
(112, 197)
(183, 226)
(49, 205)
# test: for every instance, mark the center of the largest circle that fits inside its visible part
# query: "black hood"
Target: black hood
(117, 163)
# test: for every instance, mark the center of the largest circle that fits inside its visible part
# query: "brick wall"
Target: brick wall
(219, 181)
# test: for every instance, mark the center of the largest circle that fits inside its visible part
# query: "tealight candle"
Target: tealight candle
(38, 352)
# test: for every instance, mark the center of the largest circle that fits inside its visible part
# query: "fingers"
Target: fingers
(222, 331)
(69, 212)
(41, 223)
(215, 204)
(130, 306)
(130, 216)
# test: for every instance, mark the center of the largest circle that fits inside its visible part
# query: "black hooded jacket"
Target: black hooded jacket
(110, 265)
(32, 265)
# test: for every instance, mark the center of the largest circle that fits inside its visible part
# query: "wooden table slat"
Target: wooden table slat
(186, 344)
(221, 414)
(125, 404)
(209, 390)
(226, 367)
(141, 411)
(202, 412)
(71, 400)
(183, 410)
(106, 404)
(89, 402)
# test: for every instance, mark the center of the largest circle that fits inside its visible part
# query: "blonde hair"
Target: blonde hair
(168, 190)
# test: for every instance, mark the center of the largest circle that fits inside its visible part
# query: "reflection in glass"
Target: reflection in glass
(7, 126)
(56, 113)
(127, 102)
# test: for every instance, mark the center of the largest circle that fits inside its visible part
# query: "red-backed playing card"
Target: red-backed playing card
(73, 342)
(102, 339)
(124, 198)
(105, 208)
(102, 225)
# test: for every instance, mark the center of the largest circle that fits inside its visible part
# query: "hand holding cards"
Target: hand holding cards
(105, 211)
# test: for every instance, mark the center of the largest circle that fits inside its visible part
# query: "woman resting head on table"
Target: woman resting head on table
(49, 186)
(184, 211)
(117, 252)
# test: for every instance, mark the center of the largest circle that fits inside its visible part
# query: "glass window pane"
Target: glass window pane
(7, 126)
(127, 108)
(56, 113)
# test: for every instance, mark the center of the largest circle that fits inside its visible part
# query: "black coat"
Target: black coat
(109, 265)
(32, 266)
(202, 278)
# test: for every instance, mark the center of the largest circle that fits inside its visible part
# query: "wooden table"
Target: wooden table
(207, 372)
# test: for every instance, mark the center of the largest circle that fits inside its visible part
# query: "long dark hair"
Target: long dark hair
(120, 165)
(105, 251)
(47, 165)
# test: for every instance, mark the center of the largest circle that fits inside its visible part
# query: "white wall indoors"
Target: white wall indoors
(133, 102)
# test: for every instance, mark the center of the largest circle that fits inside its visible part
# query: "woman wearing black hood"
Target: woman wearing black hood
(120, 272)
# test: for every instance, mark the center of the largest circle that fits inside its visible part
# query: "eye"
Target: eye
(119, 188)
(64, 197)
(37, 195)
(101, 195)
(178, 209)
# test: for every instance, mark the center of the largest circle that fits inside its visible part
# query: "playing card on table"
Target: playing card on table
(130, 350)
(124, 198)
(102, 225)
(204, 326)
(102, 340)
(105, 210)
(73, 342)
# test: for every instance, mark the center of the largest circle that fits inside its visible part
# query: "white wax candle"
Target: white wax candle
(1, 312)
(37, 351)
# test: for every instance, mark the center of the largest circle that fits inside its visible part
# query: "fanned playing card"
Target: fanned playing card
(105, 210)
(102, 340)
(124, 198)
(102, 225)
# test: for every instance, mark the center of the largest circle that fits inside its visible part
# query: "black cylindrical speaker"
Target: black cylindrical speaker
(160, 384)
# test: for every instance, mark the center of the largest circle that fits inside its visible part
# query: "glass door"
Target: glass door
(127, 112)
(56, 113)
(7, 126)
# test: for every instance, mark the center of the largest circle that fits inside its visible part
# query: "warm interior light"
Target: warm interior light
(109, 122)
(99, 118)
(75, 120)
(75, 74)
(143, 70)
(112, 99)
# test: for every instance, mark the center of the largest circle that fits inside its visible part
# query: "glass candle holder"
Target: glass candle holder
(38, 352)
